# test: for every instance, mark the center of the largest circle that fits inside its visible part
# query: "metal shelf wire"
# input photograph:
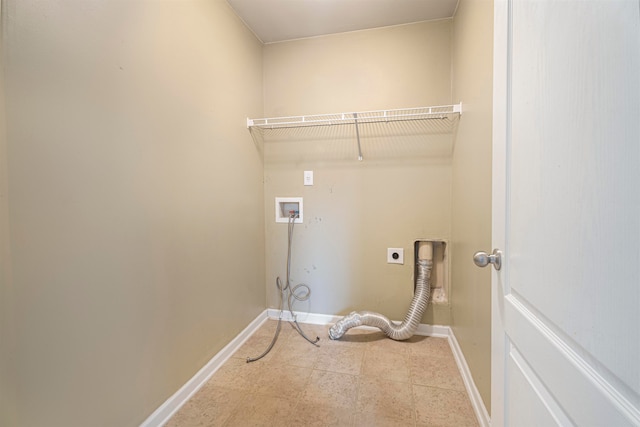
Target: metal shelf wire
(442, 112)
(420, 113)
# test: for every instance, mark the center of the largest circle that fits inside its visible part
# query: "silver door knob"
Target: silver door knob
(482, 259)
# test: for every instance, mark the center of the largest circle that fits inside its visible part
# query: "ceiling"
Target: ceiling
(278, 20)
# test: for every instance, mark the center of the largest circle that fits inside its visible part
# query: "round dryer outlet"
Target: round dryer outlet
(395, 255)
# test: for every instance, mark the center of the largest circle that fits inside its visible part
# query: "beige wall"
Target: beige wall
(135, 201)
(355, 210)
(137, 215)
(471, 212)
(7, 391)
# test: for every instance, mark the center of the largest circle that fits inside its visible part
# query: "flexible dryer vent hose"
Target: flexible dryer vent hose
(407, 328)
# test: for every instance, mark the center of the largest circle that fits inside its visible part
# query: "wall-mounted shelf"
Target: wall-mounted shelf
(420, 113)
(447, 113)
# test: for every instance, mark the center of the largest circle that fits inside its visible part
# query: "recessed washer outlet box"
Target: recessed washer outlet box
(440, 271)
(286, 205)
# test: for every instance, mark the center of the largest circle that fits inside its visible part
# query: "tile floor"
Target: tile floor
(363, 379)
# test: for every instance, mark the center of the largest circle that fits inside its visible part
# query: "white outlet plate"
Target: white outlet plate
(398, 258)
(308, 177)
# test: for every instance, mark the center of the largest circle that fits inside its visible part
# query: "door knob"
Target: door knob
(482, 259)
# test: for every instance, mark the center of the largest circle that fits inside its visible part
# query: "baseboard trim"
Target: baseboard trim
(438, 331)
(161, 415)
(313, 318)
(472, 391)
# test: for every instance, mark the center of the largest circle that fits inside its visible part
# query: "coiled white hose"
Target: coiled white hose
(400, 332)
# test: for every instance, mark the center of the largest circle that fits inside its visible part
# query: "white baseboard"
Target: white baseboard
(313, 318)
(161, 415)
(474, 395)
(179, 398)
(437, 331)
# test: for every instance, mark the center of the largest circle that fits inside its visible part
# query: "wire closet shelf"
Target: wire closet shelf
(445, 113)
(354, 118)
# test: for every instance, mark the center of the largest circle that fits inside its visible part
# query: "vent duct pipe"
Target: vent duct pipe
(407, 328)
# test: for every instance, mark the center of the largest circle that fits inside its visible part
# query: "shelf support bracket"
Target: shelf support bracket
(355, 120)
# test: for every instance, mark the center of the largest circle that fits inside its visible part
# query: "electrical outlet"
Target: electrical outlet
(395, 255)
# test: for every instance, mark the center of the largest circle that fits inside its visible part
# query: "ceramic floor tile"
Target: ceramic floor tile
(344, 360)
(296, 352)
(237, 374)
(282, 381)
(435, 372)
(363, 379)
(383, 398)
(257, 344)
(260, 410)
(315, 415)
(384, 343)
(440, 407)
(314, 331)
(332, 389)
(372, 420)
(386, 365)
(210, 406)
(191, 415)
(429, 346)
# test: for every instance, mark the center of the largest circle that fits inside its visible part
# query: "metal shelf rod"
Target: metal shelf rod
(355, 118)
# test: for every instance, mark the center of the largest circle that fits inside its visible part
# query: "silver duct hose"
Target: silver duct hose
(407, 328)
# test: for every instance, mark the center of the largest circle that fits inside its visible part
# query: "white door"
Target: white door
(566, 302)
